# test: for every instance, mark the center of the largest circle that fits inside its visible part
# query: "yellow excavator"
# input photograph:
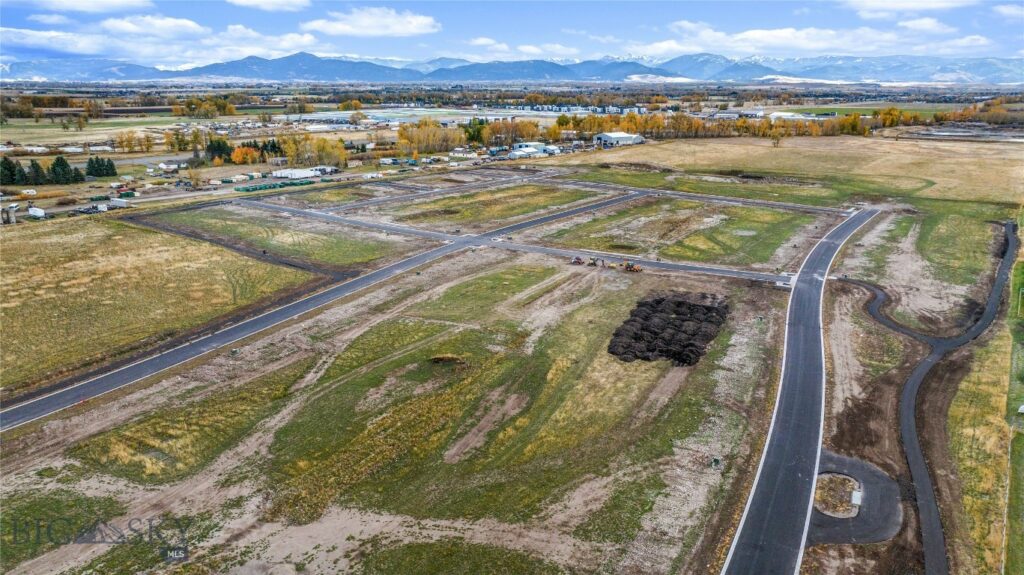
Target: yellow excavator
(631, 267)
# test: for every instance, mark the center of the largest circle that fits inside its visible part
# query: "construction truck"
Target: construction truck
(576, 261)
(631, 267)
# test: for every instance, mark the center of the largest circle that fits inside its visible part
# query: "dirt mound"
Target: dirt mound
(674, 325)
(636, 167)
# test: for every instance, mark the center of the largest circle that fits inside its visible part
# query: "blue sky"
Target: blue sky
(183, 33)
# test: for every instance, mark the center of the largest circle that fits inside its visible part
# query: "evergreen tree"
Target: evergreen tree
(36, 174)
(77, 177)
(6, 171)
(90, 166)
(20, 177)
(111, 169)
(60, 171)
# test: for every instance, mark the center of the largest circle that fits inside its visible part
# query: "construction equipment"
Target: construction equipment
(576, 261)
(593, 262)
(631, 267)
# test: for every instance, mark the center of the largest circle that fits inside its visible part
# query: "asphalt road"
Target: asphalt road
(44, 405)
(770, 538)
(932, 536)
(487, 239)
(880, 515)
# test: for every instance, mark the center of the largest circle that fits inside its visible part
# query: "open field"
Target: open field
(321, 243)
(969, 171)
(318, 199)
(60, 512)
(445, 421)
(682, 230)
(868, 108)
(979, 441)
(79, 292)
(172, 443)
(27, 132)
(482, 208)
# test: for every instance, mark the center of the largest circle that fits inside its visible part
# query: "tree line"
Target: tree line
(58, 172)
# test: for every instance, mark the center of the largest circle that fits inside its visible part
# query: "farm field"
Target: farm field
(115, 287)
(682, 230)
(332, 246)
(478, 210)
(27, 132)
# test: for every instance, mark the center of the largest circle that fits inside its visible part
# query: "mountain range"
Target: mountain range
(705, 68)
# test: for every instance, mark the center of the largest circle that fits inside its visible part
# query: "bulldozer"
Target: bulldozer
(631, 267)
(576, 261)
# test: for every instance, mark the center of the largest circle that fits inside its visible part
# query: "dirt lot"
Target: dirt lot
(638, 495)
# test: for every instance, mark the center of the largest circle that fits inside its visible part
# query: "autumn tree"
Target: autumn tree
(245, 155)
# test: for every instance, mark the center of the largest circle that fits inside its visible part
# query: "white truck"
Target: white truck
(120, 203)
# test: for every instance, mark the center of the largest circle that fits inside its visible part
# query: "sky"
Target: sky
(178, 34)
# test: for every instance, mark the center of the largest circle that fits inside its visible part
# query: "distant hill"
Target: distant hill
(704, 67)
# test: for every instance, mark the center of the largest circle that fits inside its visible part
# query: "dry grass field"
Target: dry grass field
(77, 292)
(960, 170)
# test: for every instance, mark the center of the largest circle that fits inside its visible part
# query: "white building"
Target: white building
(295, 174)
(527, 152)
(617, 139)
(534, 145)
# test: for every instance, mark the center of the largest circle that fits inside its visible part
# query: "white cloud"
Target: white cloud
(93, 6)
(695, 37)
(803, 11)
(169, 52)
(927, 25)
(482, 41)
(550, 50)
(374, 21)
(273, 5)
(158, 26)
(50, 19)
(1010, 10)
(888, 9)
(607, 39)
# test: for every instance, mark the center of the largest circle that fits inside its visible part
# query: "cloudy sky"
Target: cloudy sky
(184, 33)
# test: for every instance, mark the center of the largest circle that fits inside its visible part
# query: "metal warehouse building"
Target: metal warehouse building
(617, 139)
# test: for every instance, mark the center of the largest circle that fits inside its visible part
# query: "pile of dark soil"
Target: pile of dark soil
(675, 325)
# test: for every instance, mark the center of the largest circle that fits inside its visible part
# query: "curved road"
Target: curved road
(932, 536)
(770, 538)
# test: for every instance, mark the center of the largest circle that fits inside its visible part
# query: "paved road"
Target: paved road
(932, 536)
(486, 239)
(426, 193)
(726, 200)
(880, 515)
(44, 405)
(770, 538)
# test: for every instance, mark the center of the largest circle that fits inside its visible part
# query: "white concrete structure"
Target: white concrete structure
(527, 152)
(617, 139)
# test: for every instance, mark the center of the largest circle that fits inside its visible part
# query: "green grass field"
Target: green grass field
(77, 292)
(329, 197)
(747, 236)
(491, 205)
(631, 230)
(177, 441)
(60, 514)
(260, 230)
(618, 520)
(451, 557)
(402, 416)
